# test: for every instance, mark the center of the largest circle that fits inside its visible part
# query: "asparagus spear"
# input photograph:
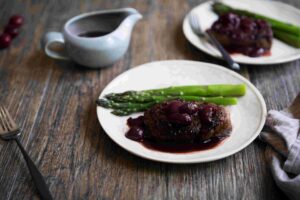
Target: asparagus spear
(136, 97)
(221, 8)
(217, 100)
(143, 107)
(287, 38)
(203, 90)
(123, 105)
(225, 90)
(124, 112)
(126, 108)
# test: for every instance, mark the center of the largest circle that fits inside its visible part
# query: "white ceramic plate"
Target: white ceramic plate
(280, 52)
(248, 116)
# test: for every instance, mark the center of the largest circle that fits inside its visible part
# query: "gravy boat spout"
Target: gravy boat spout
(132, 17)
(124, 30)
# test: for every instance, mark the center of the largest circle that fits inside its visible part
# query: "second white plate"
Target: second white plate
(248, 116)
(280, 52)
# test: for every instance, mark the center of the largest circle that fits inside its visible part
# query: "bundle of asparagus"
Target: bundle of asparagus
(286, 32)
(130, 102)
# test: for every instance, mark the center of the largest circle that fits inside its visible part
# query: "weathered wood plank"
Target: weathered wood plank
(54, 103)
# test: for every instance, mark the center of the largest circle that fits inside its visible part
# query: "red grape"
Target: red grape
(5, 40)
(173, 106)
(11, 30)
(189, 108)
(16, 20)
(182, 119)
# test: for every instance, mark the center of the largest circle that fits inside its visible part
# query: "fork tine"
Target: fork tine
(194, 23)
(2, 126)
(191, 19)
(11, 121)
(8, 128)
(2, 121)
(7, 119)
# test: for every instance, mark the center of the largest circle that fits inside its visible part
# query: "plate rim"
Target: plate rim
(192, 161)
(206, 51)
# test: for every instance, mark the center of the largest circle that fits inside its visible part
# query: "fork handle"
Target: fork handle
(36, 175)
(233, 65)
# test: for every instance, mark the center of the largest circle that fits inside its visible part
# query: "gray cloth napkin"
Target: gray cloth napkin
(282, 135)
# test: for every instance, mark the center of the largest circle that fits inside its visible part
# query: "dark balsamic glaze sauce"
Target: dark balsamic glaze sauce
(184, 148)
(137, 132)
(91, 34)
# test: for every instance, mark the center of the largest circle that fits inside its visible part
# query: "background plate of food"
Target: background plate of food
(284, 45)
(247, 116)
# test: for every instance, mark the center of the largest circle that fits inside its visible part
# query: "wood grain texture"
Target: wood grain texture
(54, 104)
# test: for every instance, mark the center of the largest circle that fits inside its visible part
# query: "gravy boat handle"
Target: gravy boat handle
(51, 38)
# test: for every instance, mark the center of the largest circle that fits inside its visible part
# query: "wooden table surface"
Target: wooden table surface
(54, 103)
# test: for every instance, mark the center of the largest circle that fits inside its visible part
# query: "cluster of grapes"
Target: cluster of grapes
(11, 30)
(179, 112)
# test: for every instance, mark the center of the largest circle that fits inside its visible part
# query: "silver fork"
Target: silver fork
(9, 130)
(196, 27)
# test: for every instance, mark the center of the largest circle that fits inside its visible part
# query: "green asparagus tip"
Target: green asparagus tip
(103, 103)
(120, 94)
(220, 8)
(120, 112)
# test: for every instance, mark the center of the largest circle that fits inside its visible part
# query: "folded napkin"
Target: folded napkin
(281, 133)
